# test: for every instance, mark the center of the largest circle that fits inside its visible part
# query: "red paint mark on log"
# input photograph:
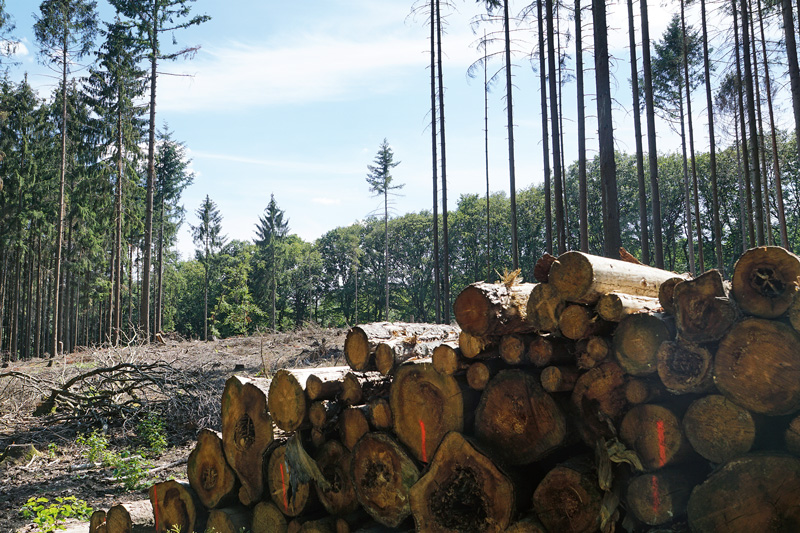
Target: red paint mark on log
(283, 484)
(422, 433)
(656, 496)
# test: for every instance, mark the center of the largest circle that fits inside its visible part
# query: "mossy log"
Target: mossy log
(209, 474)
(718, 429)
(765, 281)
(463, 490)
(493, 308)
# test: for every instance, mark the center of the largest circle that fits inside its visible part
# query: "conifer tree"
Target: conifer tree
(270, 231)
(207, 235)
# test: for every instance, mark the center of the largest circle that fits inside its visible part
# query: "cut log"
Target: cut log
(379, 414)
(541, 270)
(636, 343)
(493, 308)
(568, 499)
(175, 504)
(325, 386)
(757, 364)
(749, 494)
(559, 378)
(703, 312)
(96, 521)
(448, 360)
(229, 520)
(685, 367)
(472, 345)
(361, 341)
(267, 518)
(527, 524)
(480, 373)
(718, 429)
(209, 475)
(517, 420)
(246, 432)
(584, 278)
(352, 425)
(548, 350)
(615, 306)
(579, 322)
(639, 390)
(462, 491)
(765, 280)
(323, 414)
(544, 308)
(661, 497)
(287, 401)
(321, 525)
(599, 397)
(792, 436)
(426, 405)
(339, 498)
(591, 351)
(129, 516)
(288, 491)
(654, 432)
(666, 292)
(382, 474)
(389, 354)
(361, 388)
(514, 348)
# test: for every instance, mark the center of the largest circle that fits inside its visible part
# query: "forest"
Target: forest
(91, 182)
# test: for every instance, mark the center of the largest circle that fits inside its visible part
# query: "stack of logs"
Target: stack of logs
(608, 396)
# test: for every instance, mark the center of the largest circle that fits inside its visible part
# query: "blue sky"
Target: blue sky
(294, 99)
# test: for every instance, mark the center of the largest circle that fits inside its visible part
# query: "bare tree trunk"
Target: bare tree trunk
(118, 238)
(687, 195)
(61, 202)
(486, 150)
(559, 193)
(445, 232)
(743, 128)
(761, 146)
(548, 216)
(583, 215)
(511, 164)
(637, 129)
(435, 161)
(794, 68)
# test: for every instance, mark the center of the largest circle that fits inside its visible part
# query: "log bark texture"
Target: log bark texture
(493, 308)
(361, 341)
(209, 474)
(765, 280)
(389, 354)
(615, 306)
(463, 490)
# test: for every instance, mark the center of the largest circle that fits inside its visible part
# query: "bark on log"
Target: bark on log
(661, 497)
(517, 420)
(599, 397)
(382, 474)
(559, 378)
(493, 308)
(327, 389)
(749, 494)
(636, 343)
(544, 308)
(584, 278)
(666, 292)
(379, 414)
(339, 498)
(579, 322)
(655, 433)
(591, 351)
(426, 405)
(513, 348)
(246, 432)
(548, 350)
(765, 280)
(352, 425)
(287, 490)
(448, 360)
(568, 499)
(472, 346)
(541, 270)
(267, 518)
(615, 306)
(229, 520)
(361, 388)
(96, 521)
(209, 475)
(480, 373)
(361, 341)
(462, 491)
(176, 504)
(322, 414)
(685, 367)
(718, 429)
(757, 364)
(703, 312)
(392, 353)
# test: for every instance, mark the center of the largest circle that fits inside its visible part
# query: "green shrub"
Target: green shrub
(152, 433)
(48, 516)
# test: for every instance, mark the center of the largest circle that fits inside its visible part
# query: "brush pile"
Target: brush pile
(608, 396)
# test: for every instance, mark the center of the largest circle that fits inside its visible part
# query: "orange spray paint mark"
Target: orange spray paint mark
(283, 484)
(422, 433)
(662, 444)
(155, 504)
(656, 496)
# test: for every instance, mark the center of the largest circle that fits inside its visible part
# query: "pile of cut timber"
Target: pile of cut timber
(608, 396)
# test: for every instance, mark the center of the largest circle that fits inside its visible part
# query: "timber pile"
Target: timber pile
(608, 396)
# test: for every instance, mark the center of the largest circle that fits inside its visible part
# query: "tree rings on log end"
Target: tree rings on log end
(287, 401)
(333, 460)
(357, 349)
(765, 280)
(568, 500)
(718, 429)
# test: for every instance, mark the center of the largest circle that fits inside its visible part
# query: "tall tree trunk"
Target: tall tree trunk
(761, 146)
(511, 163)
(742, 200)
(776, 167)
(548, 213)
(608, 165)
(445, 231)
(712, 148)
(637, 129)
(29, 297)
(386, 248)
(751, 116)
(14, 343)
(652, 154)
(794, 67)
(435, 165)
(689, 122)
(486, 151)
(61, 201)
(743, 128)
(687, 195)
(160, 287)
(130, 288)
(37, 343)
(118, 236)
(583, 210)
(559, 193)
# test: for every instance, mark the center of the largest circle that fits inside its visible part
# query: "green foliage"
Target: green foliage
(152, 433)
(130, 469)
(49, 516)
(96, 445)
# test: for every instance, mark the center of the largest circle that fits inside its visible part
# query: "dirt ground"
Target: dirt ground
(183, 380)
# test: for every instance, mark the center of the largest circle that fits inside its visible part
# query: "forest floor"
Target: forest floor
(111, 390)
